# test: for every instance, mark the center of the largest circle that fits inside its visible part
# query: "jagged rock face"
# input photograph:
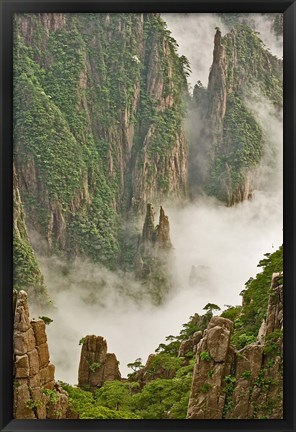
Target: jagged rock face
(231, 142)
(189, 345)
(96, 365)
(26, 273)
(154, 255)
(36, 395)
(245, 384)
(212, 364)
(96, 113)
(217, 96)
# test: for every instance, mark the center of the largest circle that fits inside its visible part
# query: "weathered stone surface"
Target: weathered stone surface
(33, 361)
(249, 359)
(58, 407)
(189, 344)
(49, 385)
(39, 331)
(47, 373)
(96, 366)
(43, 354)
(221, 322)
(251, 377)
(93, 356)
(111, 369)
(21, 317)
(22, 399)
(22, 369)
(148, 233)
(40, 402)
(213, 360)
(33, 373)
(23, 341)
(275, 306)
(218, 343)
(34, 381)
(162, 231)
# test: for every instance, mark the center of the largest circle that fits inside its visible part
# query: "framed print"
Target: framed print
(147, 216)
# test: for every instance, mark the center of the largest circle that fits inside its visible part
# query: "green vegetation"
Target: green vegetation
(165, 123)
(94, 366)
(72, 89)
(210, 307)
(205, 355)
(229, 383)
(241, 151)
(246, 374)
(34, 404)
(163, 365)
(53, 397)
(255, 302)
(46, 319)
(272, 344)
(160, 398)
(161, 388)
(26, 272)
(85, 404)
(135, 366)
(251, 64)
(237, 149)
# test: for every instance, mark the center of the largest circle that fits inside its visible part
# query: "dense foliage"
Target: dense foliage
(74, 88)
(248, 318)
(160, 389)
(252, 73)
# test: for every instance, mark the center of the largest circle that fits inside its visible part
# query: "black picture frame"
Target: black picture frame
(7, 9)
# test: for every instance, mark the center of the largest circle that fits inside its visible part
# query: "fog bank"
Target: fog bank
(223, 244)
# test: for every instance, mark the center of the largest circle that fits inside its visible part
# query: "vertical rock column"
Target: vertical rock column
(96, 365)
(35, 393)
(154, 254)
(214, 360)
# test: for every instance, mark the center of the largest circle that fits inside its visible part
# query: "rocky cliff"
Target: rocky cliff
(36, 394)
(96, 365)
(244, 384)
(26, 271)
(98, 125)
(231, 144)
(154, 255)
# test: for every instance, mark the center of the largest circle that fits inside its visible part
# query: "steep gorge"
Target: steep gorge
(98, 125)
(101, 107)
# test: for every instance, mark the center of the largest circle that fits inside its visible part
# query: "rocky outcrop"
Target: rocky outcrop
(36, 394)
(154, 254)
(217, 92)
(245, 384)
(189, 345)
(96, 365)
(26, 272)
(213, 363)
(227, 149)
(110, 86)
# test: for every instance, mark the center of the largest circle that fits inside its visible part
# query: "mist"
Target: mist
(223, 245)
(263, 25)
(194, 33)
